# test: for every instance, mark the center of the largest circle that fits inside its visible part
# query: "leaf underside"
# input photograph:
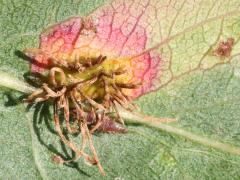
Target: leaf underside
(202, 95)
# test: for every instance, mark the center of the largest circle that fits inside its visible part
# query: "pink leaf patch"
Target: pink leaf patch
(56, 42)
(117, 34)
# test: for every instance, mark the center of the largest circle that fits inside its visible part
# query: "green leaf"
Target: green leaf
(202, 95)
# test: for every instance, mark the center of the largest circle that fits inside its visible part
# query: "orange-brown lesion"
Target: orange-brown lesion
(224, 48)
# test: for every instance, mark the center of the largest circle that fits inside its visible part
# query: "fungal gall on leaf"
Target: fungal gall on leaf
(86, 83)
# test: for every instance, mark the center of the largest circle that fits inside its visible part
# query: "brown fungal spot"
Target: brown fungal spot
(89, 25)
(224, 48)
(57, 159)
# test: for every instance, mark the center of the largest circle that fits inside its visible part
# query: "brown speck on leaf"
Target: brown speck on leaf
(224, 48)
(89, 25)
(57, 159)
